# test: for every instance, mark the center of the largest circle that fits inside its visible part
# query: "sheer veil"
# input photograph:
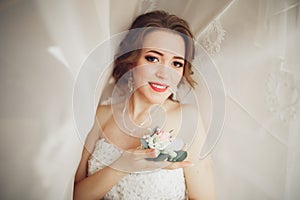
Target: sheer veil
(247, 69)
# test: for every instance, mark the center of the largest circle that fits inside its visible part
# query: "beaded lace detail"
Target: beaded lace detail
(159, 184)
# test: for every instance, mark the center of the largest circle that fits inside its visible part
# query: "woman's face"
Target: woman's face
(160, 66)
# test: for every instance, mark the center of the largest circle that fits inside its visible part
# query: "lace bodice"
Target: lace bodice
(159, 184)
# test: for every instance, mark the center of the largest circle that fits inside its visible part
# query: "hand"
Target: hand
(134, 160)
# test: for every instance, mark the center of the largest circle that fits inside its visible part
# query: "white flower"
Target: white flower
(158, 140)
(161, 141)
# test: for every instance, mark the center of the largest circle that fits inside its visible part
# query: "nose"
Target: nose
(162, 72)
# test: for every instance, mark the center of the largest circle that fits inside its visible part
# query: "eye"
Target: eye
(152, 59)
(178, 64)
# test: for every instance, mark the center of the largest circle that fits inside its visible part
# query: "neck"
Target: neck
(139, 108)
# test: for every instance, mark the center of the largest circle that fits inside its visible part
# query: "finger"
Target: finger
(130, 164)
(176, 165)
(145, 153)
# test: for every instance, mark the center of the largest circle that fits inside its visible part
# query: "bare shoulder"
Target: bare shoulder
(189, 108)
(103, 114)
(190, 111)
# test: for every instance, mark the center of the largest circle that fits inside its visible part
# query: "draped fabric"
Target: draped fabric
(255, 46)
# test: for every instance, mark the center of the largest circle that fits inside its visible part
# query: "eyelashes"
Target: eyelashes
(177, 64)
(154, 59)
(151, 59)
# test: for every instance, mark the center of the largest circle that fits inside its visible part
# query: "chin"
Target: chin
(157, 99)
(153, 97)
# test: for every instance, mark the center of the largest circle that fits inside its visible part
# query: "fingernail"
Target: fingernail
(150, 150)
(154, 153)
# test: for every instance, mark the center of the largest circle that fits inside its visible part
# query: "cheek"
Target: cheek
(142, 75)
(180, 74)
(177, 75)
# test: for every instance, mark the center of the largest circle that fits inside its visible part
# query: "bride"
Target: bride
(152, 62)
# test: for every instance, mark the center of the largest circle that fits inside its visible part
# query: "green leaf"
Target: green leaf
(181, 155)
(144, 143)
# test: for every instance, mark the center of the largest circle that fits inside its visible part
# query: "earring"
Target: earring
(174, 96)
(130, 82)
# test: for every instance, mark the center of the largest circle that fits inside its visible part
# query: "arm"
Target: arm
(98, 184)
(101, 182)
(199, 178)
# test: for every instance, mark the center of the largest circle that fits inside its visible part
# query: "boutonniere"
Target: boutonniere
(160, 140)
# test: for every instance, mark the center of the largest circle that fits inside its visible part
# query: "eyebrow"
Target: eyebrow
(161, 54)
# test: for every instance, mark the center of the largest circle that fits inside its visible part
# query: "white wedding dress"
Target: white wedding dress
(159, 184)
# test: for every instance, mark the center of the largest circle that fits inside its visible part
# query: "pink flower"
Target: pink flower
(161, 140)
(163, 136)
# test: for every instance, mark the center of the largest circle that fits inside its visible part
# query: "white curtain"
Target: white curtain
(254, 44)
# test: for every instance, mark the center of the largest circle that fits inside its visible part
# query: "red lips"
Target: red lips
(158, 87)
